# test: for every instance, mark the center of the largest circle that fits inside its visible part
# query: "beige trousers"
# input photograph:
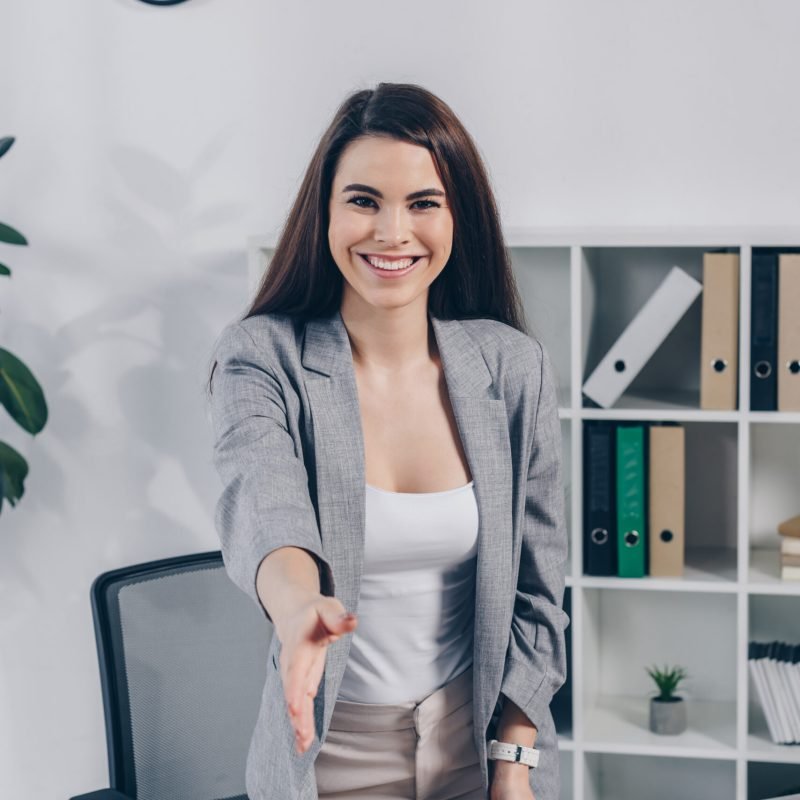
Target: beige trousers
(404, 751)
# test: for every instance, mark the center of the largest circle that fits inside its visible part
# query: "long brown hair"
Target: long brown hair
(304, 281)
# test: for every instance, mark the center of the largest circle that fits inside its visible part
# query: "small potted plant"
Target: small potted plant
(667, 710)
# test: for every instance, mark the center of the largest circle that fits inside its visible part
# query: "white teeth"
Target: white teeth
(390, 265)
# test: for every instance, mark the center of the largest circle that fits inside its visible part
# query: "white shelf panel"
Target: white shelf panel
(652, 236)
(761, 748)
(619, 724)
(764, 576)
(790, 417)
(566, 744)
(707, 569)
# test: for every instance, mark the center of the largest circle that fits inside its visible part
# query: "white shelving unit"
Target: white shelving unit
(580, 288)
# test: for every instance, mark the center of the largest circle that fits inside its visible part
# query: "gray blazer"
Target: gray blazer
(289, 450)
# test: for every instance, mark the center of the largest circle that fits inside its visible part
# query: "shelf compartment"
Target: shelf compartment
(771, 617)
(617, 777)
(626, 631)
(616, 283)
(711, 518)
(766, 779)
(543, 279)
(774, 481)
(619, 724)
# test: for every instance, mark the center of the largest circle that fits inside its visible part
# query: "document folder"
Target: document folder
(631, 520)
(599, 499)
(789, 332)
(763, 332)
(667, 480)
(719, 347)
(642, 337)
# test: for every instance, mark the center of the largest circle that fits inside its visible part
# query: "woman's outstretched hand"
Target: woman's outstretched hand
(305, 637)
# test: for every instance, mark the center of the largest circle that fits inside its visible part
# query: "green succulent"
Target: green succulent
(20, 393)
(666, 680)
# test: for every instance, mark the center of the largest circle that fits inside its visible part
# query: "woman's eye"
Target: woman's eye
(356, 202)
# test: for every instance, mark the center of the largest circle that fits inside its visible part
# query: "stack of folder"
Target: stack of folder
(790, 549)
(775, 668)
(634, 479)
(775, 331)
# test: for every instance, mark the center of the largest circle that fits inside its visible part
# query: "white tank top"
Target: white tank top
(416, 608)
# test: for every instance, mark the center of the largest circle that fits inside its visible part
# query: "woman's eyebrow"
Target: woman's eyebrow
(360, 187)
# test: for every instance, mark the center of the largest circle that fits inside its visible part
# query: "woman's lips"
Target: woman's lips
(390, 274)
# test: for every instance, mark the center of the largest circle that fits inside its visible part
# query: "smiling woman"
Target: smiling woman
(388, 437)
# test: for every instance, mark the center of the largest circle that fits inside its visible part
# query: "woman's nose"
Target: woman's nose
(391, 226)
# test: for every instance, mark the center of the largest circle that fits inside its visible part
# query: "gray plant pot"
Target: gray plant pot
(668, 717)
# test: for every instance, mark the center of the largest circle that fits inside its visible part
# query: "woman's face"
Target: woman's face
(387, 202)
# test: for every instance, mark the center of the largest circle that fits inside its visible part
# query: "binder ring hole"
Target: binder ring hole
(667, 536)
(631, 538)
(719, 364)
(794, 367)
(763, 369)
(599, 536)
(619, 366)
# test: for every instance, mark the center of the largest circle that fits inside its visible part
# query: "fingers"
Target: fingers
(303, 672)
(304, 720)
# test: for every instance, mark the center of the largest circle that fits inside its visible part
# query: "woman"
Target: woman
(388, 439)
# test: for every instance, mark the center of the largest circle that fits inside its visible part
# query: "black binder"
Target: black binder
(764, 331)
(599, 498)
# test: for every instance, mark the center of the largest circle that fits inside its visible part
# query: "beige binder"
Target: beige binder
(788, 332)
(667, 479)
(790, 561)
(719, 356)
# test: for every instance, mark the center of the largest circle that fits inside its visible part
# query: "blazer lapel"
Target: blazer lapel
(340, 487)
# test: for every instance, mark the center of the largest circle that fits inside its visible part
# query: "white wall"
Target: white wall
(152, 141)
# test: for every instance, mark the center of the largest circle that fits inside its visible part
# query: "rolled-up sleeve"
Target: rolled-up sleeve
(536, 664)
(265, 502)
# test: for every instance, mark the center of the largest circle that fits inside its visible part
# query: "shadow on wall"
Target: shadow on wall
(125, 470)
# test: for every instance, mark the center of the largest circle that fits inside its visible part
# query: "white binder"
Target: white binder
(644, 334)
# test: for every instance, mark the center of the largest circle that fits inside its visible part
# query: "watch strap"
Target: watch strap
(505, 751)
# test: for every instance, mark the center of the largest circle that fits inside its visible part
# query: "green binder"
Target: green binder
(631, 533)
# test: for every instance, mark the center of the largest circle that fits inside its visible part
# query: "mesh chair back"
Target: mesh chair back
(183, 657)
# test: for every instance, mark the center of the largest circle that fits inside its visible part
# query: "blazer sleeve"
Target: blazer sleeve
(536, 666)
(265, 502)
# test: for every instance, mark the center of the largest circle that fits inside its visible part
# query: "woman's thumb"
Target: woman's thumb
(337, 621)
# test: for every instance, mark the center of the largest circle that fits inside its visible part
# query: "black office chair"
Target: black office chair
(183, 657)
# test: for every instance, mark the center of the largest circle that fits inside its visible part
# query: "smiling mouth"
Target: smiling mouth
(390, 261)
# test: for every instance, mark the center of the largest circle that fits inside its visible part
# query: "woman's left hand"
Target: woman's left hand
(508, 785)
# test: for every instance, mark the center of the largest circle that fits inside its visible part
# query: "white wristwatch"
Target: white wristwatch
(503, 751)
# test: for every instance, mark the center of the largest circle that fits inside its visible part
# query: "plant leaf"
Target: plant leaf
(11, 236)
(13, 469)
(21, 394)
(4, 270)
(5, 144)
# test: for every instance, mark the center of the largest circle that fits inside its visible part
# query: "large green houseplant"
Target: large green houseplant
(19, 391)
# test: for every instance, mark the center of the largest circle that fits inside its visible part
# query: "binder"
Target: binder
(667, 499)
(599, 499)
(631, 499)
(789, 332)
(642, 337)
(763, 332)
(719, 347)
